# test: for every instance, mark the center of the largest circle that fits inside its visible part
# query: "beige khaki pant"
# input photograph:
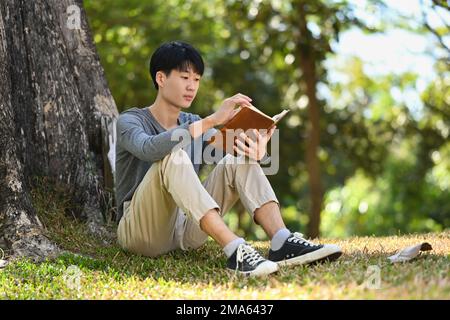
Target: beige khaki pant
(165, 210)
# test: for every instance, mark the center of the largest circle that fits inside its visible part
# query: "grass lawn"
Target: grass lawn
(91, 269)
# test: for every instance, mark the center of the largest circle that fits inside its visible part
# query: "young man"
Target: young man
(162, 203)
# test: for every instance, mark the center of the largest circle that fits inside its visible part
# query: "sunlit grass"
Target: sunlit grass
(107, 272)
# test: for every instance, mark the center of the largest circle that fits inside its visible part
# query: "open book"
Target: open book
(244, 120)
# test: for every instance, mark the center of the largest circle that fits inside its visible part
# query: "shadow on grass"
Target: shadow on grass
(206, 266)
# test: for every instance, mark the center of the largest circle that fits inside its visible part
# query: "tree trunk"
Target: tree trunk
(307, 63)
(53, 97)
(19, 226)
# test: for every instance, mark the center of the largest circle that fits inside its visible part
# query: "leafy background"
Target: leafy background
(385, 152)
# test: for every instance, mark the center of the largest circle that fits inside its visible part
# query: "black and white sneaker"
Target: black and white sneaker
(247, 261)
(297, 250)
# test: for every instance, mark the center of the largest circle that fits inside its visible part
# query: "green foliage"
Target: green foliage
(372, 138)
(399, 186)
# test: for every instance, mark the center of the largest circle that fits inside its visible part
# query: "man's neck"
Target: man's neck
(166, 114)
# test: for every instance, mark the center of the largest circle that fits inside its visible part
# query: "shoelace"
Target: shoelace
(246, 252)
(298, 238)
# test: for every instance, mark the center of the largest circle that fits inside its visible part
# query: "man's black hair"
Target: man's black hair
(175, 55)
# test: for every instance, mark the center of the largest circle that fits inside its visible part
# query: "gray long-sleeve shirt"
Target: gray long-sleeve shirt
(141, 141)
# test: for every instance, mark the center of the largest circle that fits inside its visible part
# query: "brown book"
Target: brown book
(244, 120)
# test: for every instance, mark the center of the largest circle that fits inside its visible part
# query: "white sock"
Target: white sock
(232, 246)
(279, 238)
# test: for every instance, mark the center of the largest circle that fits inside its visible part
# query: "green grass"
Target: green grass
(108, 272)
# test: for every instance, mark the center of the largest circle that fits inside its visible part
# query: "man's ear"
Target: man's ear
(160, 78)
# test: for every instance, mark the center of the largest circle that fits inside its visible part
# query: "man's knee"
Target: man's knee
(176, 157)
(239, 161)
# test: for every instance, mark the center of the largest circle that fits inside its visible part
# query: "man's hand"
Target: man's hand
(255, 150)
(225, 113)
(227, 109)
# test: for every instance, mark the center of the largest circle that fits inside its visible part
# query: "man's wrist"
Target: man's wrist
(265, 159)
(209, 122)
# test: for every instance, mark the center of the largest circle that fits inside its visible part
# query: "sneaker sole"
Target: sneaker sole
(330, 258)
(327, 253)
(263, 269)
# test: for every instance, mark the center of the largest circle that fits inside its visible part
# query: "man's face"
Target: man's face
(180, 87)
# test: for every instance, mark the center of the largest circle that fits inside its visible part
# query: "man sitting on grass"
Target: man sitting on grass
(162, 203)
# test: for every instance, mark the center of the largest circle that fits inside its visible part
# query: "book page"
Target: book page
(279, 116)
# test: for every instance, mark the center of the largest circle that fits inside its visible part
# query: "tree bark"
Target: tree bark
(21, 230)
(53, 97)
(308, 66)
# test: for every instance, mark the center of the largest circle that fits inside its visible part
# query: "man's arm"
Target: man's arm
(226, 112)
(197, 128)
(133, 138)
